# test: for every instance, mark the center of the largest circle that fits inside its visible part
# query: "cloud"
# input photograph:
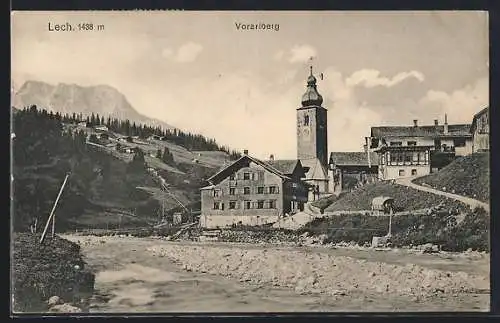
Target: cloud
(461, 104)
(186, 53)
(301, 53)
(371, 78)
(279, 55)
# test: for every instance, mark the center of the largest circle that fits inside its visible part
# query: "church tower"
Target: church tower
(312, 130)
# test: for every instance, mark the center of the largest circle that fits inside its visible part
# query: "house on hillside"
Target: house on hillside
(352, 169)
(101, 128)
(480, 130)
(250, 191)
(408, 151)
(154, 137)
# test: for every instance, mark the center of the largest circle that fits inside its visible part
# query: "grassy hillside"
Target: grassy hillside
(438, 228)
(467, 176)
(106, 188)
(405, 198)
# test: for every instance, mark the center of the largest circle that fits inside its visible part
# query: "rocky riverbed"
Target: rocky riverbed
(147, 275)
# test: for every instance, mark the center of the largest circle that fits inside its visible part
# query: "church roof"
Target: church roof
(341, 158)
(314, 169)
(311, 97)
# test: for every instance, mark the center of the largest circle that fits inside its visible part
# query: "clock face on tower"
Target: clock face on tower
(306, 132)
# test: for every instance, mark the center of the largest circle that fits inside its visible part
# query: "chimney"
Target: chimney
(445, 123)
(436, 123)
(245, 152)
(415, 123)
(271, 157)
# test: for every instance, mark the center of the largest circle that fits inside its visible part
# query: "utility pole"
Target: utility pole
(390, 222)
(53, 225)
(44, 233)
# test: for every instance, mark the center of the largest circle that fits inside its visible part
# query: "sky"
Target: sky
(199, 72)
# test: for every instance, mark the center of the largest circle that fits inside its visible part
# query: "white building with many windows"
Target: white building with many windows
(418, 150)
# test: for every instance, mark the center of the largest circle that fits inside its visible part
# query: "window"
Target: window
(401, 172)
(394, 157)
(246, 176)
(407, 157)
(232, 191)
(437, 144)
(232, 205)
(216, 193)
(396, 143)
(232, 177)
(421, 157)
(246, 190)
(260, 204)
(218, 206)
(412, 143)
(306, 120)
(272, 190)
(415, 157)
(260, 190)
(413, 172)
(272, 204)
(459, 142)
(248, 205)
(261, 176)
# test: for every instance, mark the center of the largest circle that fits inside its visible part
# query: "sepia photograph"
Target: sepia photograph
(249, 162)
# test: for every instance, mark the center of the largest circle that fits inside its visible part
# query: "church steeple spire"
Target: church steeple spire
(311, 97)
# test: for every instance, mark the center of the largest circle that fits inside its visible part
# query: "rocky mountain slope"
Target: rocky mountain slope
(71, 98)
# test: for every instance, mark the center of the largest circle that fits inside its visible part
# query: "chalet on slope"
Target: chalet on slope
(480, 130)
(252, 192)
(409, 151)
(351, 169)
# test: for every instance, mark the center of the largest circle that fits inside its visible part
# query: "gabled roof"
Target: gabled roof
(227, 170)
(315, 170)
(420, 131)
(286, 166)
(341, 158)
(477, 116)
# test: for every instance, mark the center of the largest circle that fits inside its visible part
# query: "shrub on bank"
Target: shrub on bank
(40, 271)
(438, 228)
(324, 202)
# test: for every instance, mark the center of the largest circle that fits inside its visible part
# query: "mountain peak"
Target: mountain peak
(101, 99)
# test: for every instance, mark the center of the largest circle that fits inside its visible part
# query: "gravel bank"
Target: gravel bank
(318, 273)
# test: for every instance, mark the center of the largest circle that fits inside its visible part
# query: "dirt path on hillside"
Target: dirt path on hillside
(473, 203)
(132, 278)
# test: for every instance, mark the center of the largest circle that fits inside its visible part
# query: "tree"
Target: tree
(93, 138)
(167, 157)
(138, 163)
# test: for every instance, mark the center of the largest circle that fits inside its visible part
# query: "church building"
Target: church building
(312, 140)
